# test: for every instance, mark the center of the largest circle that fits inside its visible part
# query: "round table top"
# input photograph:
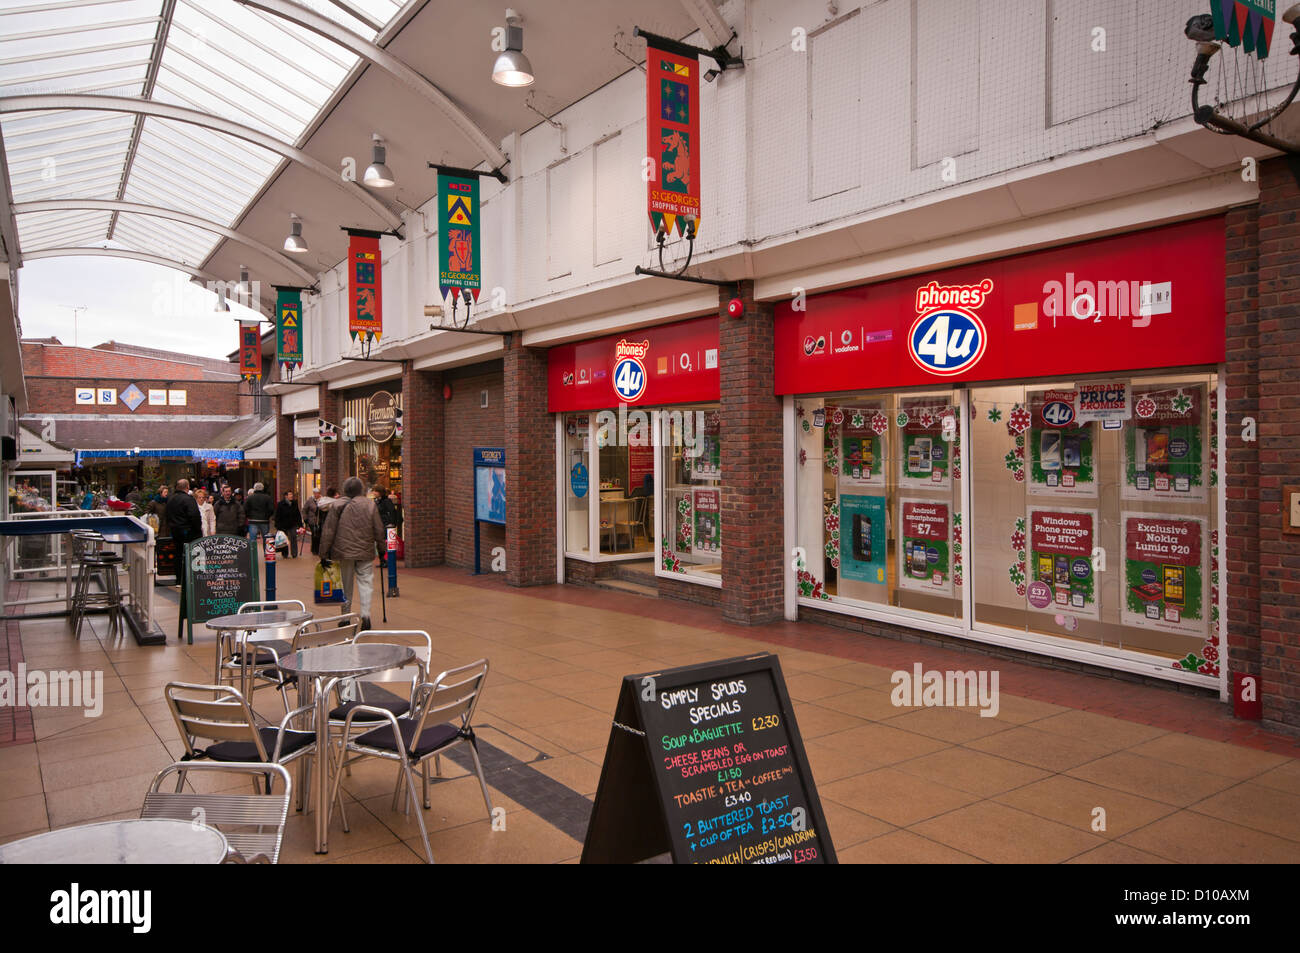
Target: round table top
(247, 621)
(343, 661)
(136, 841)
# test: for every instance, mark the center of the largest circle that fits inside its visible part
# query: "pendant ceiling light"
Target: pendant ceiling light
(378, 175)
(512, 67)
(295, 243)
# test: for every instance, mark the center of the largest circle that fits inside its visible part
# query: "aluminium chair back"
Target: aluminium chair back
(331, 630)
(253, 824)
(212, 712)
(452, 696)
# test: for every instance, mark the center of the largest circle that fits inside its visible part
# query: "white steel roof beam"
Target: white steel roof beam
(92, 252)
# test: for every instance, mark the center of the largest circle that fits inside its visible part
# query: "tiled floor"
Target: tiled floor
(1073, 769)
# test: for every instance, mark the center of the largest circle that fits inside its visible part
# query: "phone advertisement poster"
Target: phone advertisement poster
(928, 438)
(862, 444)
(1164, 573)
(1061, 576)
(924, 547)
(708, 522)
(1061, 454)
(1164, 445)
(863, 544)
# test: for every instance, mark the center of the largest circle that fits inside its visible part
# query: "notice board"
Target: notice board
(706, 763)
(221, 575)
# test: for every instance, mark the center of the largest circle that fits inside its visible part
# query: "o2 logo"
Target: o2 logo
(629, 379)
(947, 342)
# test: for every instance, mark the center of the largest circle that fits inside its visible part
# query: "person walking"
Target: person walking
(206, 513)
(288, 518)
(311, 517)
(258, 509)
(387, 516)
(228, 512)
(186, 524)
(354, 535)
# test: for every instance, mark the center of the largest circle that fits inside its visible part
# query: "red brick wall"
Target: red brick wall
(91, 364)
(690, 591)
(1241, 461)
(423, 497)
(466, 426)
(530, 465)
(331, 454)
(286, 467)
(752, 455)
(57, 395)
(1279, 442)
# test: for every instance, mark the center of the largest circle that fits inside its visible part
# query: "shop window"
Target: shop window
(627, 466)
(1094, 516)
(691, 498)
(878, 480)
(577, 491)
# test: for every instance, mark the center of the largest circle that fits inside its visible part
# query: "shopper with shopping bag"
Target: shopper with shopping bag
(353, 536)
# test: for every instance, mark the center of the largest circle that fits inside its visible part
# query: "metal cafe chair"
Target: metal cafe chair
(220, 714)
(440, 719)
(319, 633)
(253, 824)
(261, 657)
(378, 697)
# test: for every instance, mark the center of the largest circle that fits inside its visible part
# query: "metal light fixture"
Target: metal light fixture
(512, 67)
(295, 243)
(378, 175)
(222, 307)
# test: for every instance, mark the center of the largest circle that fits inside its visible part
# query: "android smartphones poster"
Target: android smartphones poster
(1164, 573)
(1061, 451)
(1164, 445)
(863, 545)
(924, 546)
(927, 427)
(1060, 571)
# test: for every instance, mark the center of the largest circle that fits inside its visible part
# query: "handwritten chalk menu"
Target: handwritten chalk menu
(222, 576)
(706, 763)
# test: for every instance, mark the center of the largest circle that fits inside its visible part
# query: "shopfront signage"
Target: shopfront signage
(85, 395)
(706, 763)
(157, 397)
(1147, 299)
(667, 364)
(381, 416)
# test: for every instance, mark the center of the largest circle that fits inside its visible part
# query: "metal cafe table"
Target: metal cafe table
(136, 841)
(324, 665)
(257, 627)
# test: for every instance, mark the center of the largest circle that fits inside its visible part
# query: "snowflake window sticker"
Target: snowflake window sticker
(857, 421)
(810, 587)
(1015, 459)
(1019, 420)
(1145, 408)
(1181, 402)
(926, 420)
(994, 415)
(902, 419)
(879, 423)
(1017, 571)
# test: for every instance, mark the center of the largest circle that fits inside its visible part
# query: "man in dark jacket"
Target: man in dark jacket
(287, 520)
(186, 525)
(354, 535)
(258, 510)
(229, 513)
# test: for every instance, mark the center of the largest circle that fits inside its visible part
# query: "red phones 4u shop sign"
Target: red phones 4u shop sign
(651, 367)
(1146, 299)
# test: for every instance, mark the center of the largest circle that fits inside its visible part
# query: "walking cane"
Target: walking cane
(382, 604)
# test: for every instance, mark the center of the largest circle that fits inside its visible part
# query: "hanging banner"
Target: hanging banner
(673, 139)
(365, 291)
(1060, 562)
(1164, 573)
(250, 352)
(459, 261)
(1245, 23)
(288, 328)
(329, 433)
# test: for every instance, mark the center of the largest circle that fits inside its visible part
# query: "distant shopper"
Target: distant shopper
(134, 496)
(387, 511)
(258, 509)
(160, 504)
(397, 507)
(311, 517)
(288, 518)
(229, 513)
(186, 525)
(354, 535)
(208, 515)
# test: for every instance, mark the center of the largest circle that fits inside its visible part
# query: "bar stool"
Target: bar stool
(102, 563)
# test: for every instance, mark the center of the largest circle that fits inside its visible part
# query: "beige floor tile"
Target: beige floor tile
(971, 771)
(580, 682)
(870, 704)
(595, 755)
(829, 763)
(20, 815)
(107, 766)
(1113, 852)
(391, 854)
(368, 832)
(1256, 806)
(1042, 749)
(527, 839)
(579, 734)
(90, 802)
(452, 803)
(1149, 778)
(806, 686)
(882, 744)
(22, 835)
(19, 756)
(1003, 835)
(77, 747)
(1285, 777)
(903, 847)
(897, 798)
(1216, 757)
(860, 673)
(954, 725)
(1112, 733)
(1072, 802)
(848, 827)
(540, 713)
(815, 721)
(1024, 711)
(1189, 838)
(573, 771)
(20, 782)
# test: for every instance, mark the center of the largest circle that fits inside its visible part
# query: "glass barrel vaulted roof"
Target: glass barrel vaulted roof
(216, 56)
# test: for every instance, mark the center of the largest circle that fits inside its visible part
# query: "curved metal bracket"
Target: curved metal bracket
(145, 107)
(661, 238)
(1210, 117)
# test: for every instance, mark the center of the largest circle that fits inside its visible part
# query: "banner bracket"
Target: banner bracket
(457, 170)
(718, 54)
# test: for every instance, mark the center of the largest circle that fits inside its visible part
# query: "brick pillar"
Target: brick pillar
(752, 448)
(1240, 552)
(1279, 442)
(530, 468)
(423, 496)
(286, 465)
(331, 460)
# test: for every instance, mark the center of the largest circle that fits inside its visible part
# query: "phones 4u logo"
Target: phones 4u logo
(948, 337)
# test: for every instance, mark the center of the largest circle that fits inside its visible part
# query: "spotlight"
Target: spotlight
(378, 175)
(295, 242)
(512, 67)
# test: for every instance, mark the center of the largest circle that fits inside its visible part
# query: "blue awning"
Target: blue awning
(195, 454)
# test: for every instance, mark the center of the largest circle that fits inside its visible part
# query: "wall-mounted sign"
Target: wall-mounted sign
(107, 395)
(157, 397)
(176, 398)
(132, 396)
(85, 395)
(381, 416)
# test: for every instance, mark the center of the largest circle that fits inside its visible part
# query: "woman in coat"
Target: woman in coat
(288, 517)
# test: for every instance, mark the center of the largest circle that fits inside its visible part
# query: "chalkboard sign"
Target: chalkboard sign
(706, 763)
(221, 575)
